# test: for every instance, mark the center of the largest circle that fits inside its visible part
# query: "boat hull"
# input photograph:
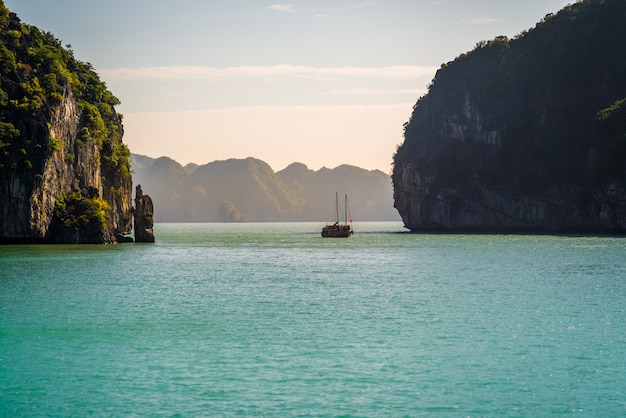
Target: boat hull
(336, 231)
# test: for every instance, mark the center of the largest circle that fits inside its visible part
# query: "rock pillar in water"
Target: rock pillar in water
(144, 212)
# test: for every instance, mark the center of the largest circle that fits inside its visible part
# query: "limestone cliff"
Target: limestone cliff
(526, 135)
(64, 171)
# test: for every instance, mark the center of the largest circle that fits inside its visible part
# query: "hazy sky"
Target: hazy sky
(322, 82)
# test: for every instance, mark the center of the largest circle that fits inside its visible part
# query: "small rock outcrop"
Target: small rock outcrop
(523, 135)
(144, 217)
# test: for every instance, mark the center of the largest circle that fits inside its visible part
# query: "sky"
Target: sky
(319, 82)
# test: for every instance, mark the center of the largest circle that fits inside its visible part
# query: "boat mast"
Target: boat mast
(345, 211)
(337, 206)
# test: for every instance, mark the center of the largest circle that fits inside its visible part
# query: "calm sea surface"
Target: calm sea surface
(270, 319)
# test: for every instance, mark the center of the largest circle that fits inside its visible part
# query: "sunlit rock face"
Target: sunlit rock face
(28, 194)
(64, 170)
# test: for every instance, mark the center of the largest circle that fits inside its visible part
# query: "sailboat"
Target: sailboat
(338, 230)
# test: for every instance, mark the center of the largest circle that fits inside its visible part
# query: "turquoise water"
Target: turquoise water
(273, 320)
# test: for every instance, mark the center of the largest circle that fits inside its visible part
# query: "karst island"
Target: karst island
(64, 171)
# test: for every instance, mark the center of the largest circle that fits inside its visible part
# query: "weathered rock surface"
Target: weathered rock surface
(480, 208)
(144, 217)
(523, 135)
(64, 171)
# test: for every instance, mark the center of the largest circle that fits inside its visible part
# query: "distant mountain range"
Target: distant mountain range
(238, 190)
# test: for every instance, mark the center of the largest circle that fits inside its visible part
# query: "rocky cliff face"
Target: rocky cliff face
(144, 217)
(478, 207)
(511, 138)
(28, 195)
(64, 172)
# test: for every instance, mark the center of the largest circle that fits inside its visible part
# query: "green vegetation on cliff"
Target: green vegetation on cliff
(75, 210)
(60, 137)
(531, 116)
(35, 70)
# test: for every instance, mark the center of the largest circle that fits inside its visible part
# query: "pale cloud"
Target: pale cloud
(361, 5)
(350, 7)
(286, 8)
(485, 20)
(370, 92)
(196, 73)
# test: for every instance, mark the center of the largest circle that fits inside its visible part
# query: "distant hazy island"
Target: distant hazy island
(525, 134)
(240, 190)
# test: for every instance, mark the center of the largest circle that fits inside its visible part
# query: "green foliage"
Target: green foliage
(4, 98)
(33, 97)
(4, 16)
(95, 128)
(40, 72)
(115, 157)
(7, 60)
(7, 133)
(74, 210)
(53, 89)
(14, 37)
(55, 144)
(88, 85)
(617, 112)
